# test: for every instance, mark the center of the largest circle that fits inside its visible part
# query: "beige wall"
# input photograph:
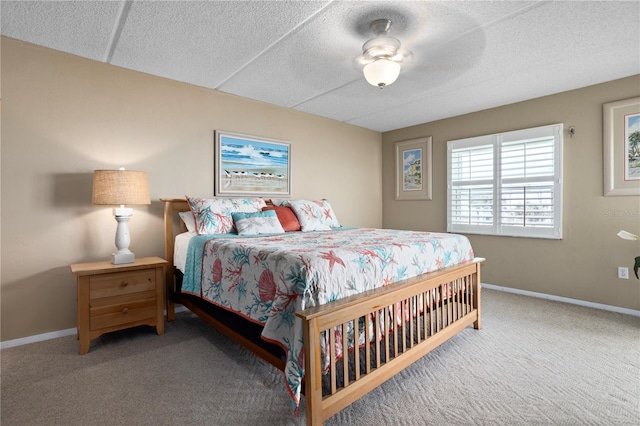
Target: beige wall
(583, 265)
(64, 116)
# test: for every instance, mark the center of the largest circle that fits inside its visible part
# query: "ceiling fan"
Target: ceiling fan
(382, 55)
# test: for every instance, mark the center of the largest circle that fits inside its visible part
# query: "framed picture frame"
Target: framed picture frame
(414, 169)
(621, 137)
(251, 166)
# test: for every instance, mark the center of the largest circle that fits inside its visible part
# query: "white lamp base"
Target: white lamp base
(123, 255)
(120, 258)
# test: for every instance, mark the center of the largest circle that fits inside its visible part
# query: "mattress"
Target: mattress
(180, 249)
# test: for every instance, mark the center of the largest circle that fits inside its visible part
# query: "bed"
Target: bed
(344, 338)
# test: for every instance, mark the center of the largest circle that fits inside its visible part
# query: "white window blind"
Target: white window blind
(507, 183)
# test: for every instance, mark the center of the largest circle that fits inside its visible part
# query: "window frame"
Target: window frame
(497, 183)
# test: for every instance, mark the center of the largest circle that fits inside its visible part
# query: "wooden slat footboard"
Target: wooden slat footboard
(437, 305)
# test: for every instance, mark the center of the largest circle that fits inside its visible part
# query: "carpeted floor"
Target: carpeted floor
(535, 362)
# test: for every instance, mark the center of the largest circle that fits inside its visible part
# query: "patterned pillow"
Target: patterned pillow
(248, 204)
(315, 215)
(264, 222)
(213, 215)
(286, 216)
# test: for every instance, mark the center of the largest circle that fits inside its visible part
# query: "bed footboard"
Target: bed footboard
(408, 319)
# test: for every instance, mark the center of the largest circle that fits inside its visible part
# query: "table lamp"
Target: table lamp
(120, 187)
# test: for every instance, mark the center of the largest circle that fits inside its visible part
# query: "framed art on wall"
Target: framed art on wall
(251, 165)
(413, 169)
(621, 135)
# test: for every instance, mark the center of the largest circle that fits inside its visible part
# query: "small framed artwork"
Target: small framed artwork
(621, 126)
(251, 165)
(413, 169)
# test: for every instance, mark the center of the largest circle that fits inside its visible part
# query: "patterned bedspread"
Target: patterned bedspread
(268, 278)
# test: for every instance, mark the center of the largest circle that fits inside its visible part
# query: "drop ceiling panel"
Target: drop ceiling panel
(80, 28)
(204, 43)
(563, 33)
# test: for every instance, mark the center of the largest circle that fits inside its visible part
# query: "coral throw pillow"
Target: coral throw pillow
(286, 216)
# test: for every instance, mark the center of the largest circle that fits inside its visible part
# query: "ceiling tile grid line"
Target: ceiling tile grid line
(528, 6)
(273, 45)
(117, 29)
(304, 101)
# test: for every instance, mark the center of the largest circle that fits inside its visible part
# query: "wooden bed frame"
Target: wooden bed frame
(447, 301)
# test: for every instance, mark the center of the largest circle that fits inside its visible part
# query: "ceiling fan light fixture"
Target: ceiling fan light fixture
(382, 55)
(381, 72)
(383, 46)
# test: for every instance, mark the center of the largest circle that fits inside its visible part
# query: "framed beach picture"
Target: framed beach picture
(621, 126)
(251, 165)
(413, 169)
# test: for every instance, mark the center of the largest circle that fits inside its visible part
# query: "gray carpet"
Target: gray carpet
(535, 362)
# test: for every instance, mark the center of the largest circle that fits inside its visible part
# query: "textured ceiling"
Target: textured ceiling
(467, 55)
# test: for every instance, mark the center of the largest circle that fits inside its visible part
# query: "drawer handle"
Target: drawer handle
(125, 310)
(124, 283)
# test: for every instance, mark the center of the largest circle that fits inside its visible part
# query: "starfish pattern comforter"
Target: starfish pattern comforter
(267, 278)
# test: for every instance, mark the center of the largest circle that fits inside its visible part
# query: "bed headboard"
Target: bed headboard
(172, 226)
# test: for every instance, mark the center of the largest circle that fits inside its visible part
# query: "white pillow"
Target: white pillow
(189, 221)
(264, 222)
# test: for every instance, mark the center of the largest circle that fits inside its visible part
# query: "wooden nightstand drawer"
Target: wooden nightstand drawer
(114, 311)
(121, 283)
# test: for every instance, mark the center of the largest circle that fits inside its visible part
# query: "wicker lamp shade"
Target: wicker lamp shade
(113, 187)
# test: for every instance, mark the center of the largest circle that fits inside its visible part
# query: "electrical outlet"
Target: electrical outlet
(623, 273)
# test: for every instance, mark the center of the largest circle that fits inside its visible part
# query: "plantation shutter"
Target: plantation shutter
(506, 184)
(472, 186)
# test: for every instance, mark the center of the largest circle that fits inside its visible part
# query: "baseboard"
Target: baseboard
(563, 299)
(53, 335)
(38, 338)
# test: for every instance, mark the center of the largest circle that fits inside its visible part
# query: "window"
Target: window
(506, 184)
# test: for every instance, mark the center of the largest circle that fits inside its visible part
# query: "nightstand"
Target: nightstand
(115, 297)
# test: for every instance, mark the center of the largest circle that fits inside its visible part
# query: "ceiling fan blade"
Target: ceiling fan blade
(404, 56)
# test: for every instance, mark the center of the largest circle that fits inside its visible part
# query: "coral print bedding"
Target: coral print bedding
(268, 278)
